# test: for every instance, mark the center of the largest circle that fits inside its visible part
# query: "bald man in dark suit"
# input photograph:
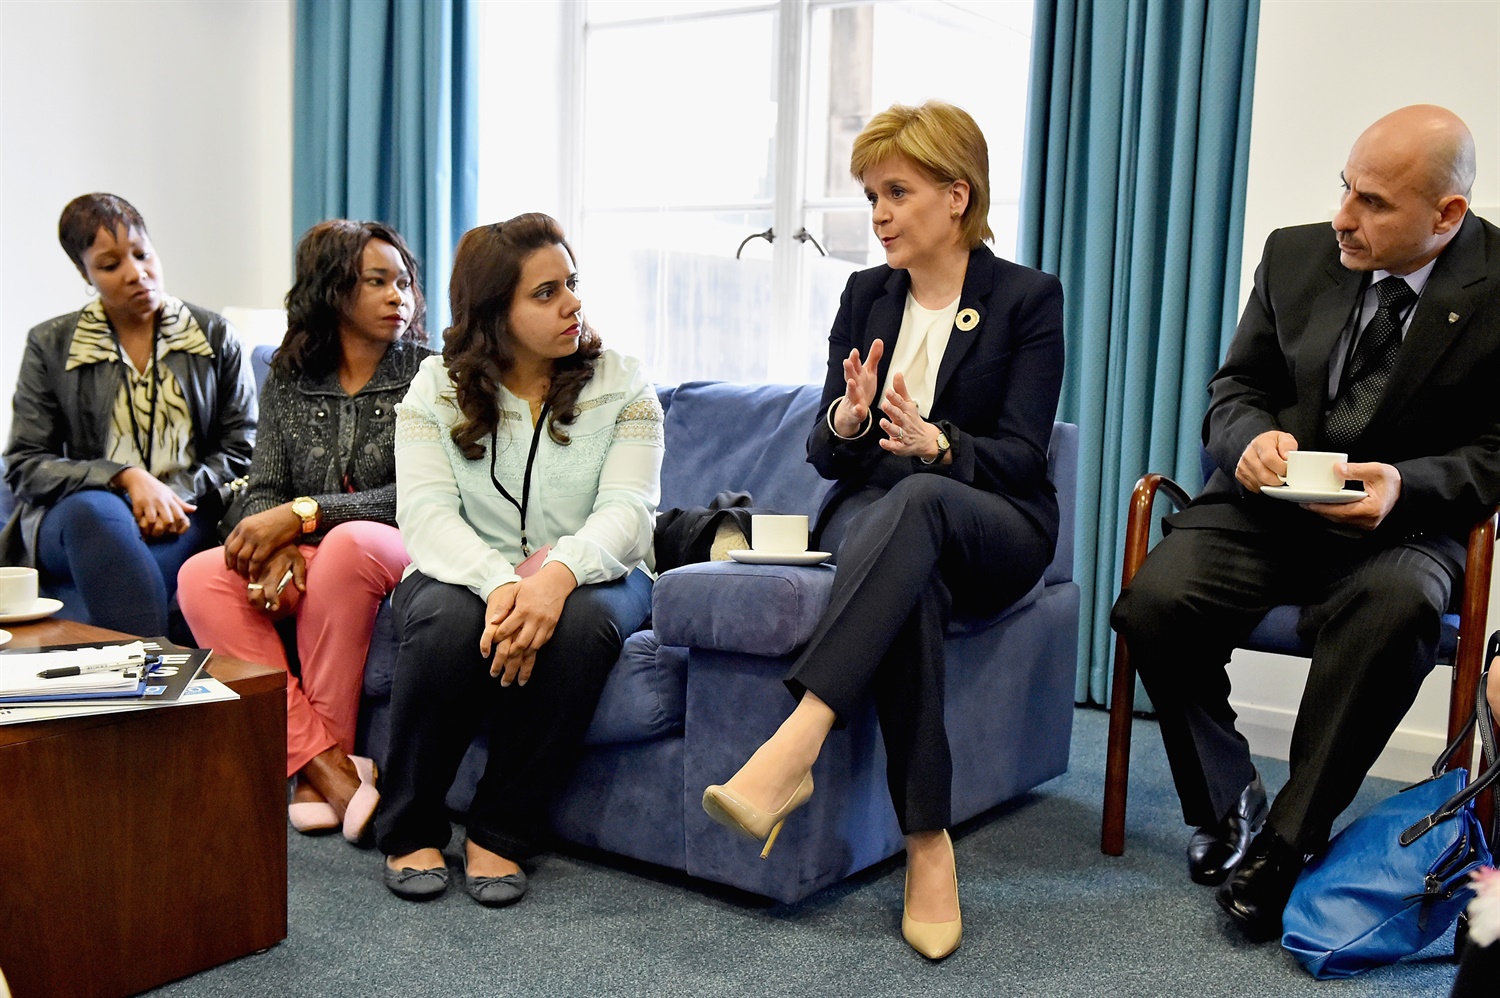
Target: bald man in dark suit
(1379, 339)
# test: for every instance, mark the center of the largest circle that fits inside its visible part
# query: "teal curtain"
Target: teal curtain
(1133, 193)
(386, 125)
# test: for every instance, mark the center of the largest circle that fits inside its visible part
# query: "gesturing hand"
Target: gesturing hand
(907, 433)
(257, 537)
(1264, 460)
(157, 509)
(861, 383)
(1382, 489)
(520, 618)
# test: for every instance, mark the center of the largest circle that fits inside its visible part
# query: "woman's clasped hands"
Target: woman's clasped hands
(520, 618)
(157, 509)
(285, 567)
(258, 537)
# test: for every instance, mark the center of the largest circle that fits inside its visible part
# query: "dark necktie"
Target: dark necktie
(1370, 367)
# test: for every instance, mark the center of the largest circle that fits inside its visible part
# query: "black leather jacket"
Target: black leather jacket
(60, 424)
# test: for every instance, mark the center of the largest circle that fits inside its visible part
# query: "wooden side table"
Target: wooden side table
(142, 847)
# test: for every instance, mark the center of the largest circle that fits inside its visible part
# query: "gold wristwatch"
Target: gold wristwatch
(306, 507)
(943, 447)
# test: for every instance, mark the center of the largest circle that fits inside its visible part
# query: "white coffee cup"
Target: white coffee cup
(1312, 470)
(17, 589)
(775, 533)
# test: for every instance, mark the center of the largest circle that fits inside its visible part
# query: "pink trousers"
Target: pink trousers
(354, 567)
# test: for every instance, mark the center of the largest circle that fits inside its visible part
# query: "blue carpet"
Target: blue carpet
(1044, 914)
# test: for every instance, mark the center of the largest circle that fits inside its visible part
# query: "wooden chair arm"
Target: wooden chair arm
(1468, 662)
(1138, 521)
(1122, 692)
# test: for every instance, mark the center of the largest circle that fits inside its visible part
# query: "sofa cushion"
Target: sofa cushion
(645, 695)
(741, 438)
(725, 606)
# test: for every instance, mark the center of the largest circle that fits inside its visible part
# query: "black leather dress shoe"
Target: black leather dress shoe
(1215, 850)
(1257, 892)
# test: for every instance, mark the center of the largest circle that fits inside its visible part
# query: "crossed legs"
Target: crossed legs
(898, 554)
(348, 575)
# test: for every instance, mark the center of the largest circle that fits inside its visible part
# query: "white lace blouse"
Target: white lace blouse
(593, 500)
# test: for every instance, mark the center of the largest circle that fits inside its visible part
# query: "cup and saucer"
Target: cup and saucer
(1309, 478)
(778, 540)
(19, 601)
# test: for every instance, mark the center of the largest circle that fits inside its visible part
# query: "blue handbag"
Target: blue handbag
(1397, 877)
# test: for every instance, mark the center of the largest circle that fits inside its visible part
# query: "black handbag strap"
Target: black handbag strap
(1491, 773)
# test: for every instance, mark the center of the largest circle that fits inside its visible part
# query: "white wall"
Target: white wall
(182, 108)
(1319, 81)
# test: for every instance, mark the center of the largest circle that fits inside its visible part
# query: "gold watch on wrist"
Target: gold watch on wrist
(306, 507)
(943, 447)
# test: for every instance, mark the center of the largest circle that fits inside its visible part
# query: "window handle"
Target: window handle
(803, 236)
(769, 236)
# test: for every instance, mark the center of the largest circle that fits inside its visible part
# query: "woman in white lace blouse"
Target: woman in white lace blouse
(528, 461)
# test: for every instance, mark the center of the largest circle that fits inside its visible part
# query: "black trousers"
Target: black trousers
(443, 694)
(1371, 612)
(908, 558)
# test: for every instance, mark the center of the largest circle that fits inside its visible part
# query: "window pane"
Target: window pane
(666, 287)
(681, 113)
(605, 11)
(866, 58)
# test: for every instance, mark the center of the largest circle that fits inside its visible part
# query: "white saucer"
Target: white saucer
(1281, 492)
(5, 637)
(780, 557)
(43, 607)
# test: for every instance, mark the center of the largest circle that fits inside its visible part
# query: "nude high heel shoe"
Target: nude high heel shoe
(934, 940)
(733, 811)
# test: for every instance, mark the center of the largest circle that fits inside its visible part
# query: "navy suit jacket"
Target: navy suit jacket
(996, 391)
(1437, 421)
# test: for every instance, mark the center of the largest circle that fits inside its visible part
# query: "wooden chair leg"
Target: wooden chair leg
(1117, 760)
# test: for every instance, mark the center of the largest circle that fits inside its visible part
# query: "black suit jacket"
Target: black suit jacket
(996, 391)
(1438, 422)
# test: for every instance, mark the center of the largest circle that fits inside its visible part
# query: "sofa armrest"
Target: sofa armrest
(766, 610)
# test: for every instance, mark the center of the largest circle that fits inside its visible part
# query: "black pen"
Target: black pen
(78, 670)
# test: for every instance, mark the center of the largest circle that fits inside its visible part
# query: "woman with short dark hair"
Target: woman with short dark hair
(127, 415)
(316, 538)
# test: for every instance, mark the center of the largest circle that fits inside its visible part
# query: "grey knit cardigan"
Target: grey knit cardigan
(316, 440)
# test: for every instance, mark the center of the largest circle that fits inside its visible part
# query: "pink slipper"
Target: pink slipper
(313, 816)
(361, 809)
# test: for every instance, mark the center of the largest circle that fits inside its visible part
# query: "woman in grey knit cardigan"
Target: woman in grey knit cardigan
(316, 538)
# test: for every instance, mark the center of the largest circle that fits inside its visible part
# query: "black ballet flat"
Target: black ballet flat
(413, 884)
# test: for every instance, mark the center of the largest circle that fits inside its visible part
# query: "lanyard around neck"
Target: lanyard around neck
(536, 439)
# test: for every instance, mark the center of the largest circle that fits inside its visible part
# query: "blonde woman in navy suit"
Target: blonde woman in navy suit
(943, 377)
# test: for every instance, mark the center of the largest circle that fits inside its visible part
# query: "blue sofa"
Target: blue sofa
(694, 693)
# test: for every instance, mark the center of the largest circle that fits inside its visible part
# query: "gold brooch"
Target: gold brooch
(967, 319)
